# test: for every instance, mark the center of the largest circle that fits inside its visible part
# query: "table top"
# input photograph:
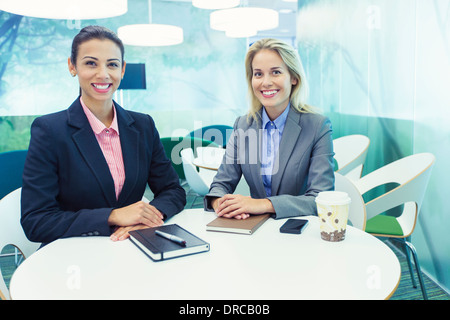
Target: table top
(267, 265)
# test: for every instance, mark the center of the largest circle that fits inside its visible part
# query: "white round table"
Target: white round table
(267, 265)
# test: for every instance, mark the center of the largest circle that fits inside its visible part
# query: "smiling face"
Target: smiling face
(99, 68)
(271, 81)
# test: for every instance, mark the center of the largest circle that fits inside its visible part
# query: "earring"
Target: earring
(73, 74)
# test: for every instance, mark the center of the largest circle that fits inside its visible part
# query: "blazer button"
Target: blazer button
(96, 233)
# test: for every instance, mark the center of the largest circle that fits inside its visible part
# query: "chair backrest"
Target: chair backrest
(412, 174)
(350, 154)
(11, 231)
(193, 178)
(174, 145)
(11, 169)
(218, 133)
(357, 208)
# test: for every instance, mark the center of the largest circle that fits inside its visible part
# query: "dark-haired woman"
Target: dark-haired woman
(88, 166)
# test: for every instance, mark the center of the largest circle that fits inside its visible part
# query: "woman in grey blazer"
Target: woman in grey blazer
(282, 147)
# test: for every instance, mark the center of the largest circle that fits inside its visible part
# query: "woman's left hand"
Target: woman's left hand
(240, 207)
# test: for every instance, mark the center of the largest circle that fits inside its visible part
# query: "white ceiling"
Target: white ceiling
(287, 20)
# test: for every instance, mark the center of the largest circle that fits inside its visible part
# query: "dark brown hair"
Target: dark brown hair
(94, 32)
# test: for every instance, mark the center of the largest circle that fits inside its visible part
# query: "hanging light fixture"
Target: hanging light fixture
(246, 19)
(66, 9)
(149, 35)
(215, 4)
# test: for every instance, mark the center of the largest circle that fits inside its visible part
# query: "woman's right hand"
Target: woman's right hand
(134, 214)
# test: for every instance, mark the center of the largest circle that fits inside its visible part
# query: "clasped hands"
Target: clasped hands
(240, 207)
(139, 215)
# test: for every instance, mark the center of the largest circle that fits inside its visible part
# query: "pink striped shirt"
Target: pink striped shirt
(109, 141)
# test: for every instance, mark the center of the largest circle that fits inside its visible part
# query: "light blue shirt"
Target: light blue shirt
(272, 132)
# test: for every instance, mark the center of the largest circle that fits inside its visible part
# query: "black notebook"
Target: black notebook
(159, 248)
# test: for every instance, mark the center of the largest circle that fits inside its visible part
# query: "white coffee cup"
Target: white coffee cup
(332, 208)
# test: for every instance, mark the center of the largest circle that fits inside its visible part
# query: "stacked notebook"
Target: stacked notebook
(159, 248)
(245, 226)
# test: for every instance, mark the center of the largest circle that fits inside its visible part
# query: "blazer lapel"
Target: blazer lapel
(129, 141)
(89, 148)
(288, 142)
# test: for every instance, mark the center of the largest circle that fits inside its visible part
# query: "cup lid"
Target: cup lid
(333, 197)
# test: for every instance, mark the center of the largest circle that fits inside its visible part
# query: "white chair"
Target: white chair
(199, 184)
(357, 208)
(11, 232)
(210, 157)
(214, 156)
(350, 154)
(412, 174)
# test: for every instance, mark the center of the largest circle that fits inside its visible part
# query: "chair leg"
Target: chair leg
(411, 247)
(193, 201)
(408, 259)
(183, 182)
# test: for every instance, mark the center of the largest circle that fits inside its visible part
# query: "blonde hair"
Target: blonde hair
(290, 57)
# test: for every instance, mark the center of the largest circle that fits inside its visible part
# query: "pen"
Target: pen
(171, 237)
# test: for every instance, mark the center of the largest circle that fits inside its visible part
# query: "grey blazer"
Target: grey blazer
(305, 164)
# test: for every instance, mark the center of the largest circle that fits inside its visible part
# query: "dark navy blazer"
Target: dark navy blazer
(67, 187)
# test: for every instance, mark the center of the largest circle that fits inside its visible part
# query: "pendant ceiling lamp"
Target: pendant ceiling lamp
(215, 4)
(150, 35)
(65, 9)
(246, 19)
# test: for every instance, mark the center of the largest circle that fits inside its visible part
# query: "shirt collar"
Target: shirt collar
(96, 125)
(279, 122)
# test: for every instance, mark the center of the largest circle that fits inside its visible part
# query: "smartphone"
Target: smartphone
(295, 226)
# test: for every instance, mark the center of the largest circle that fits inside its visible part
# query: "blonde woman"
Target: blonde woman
(282, 147)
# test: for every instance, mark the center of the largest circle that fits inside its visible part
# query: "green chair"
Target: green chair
(174, 145)
(336, 165)
(412, 174)
(11, 169)
(217, 133)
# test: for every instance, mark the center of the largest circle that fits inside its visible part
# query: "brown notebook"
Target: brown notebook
(246, 226)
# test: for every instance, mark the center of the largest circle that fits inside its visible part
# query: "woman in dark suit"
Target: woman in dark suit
(282, 147)
(88, 166)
